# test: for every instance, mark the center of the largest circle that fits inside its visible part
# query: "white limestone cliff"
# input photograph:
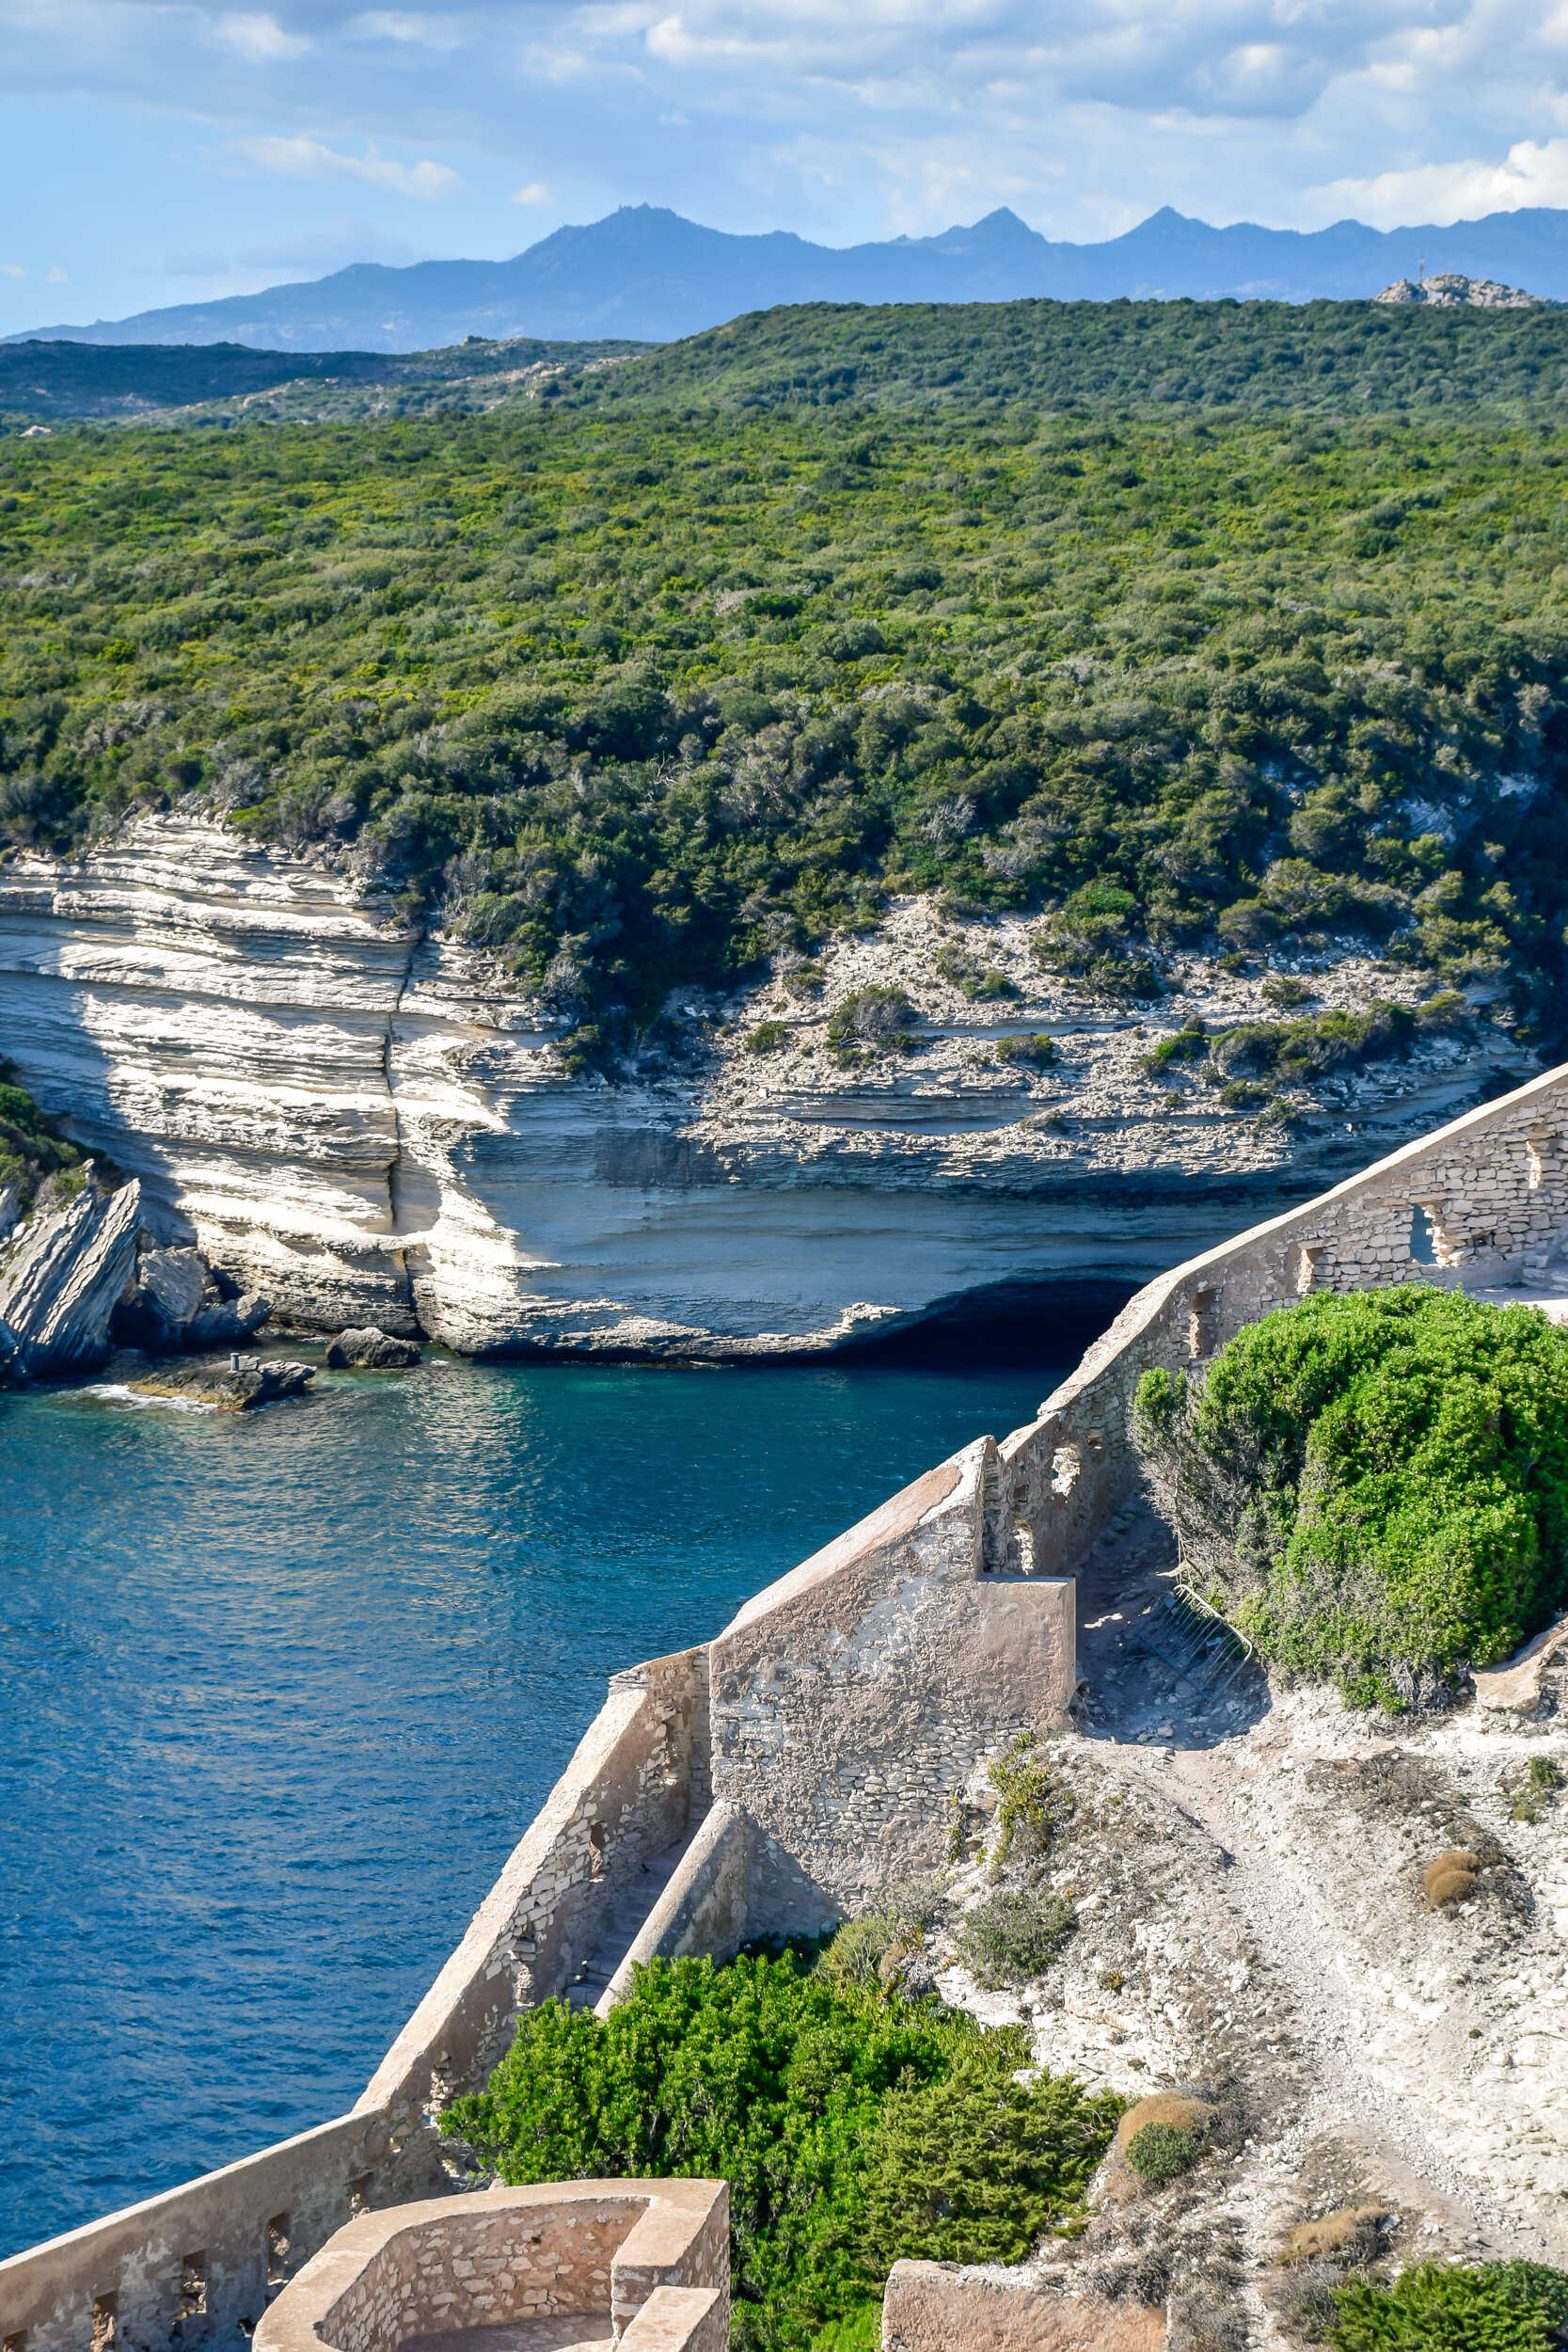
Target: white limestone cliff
(372, 1126)
(60, 1281)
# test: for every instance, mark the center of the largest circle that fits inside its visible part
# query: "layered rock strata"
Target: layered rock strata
(60, 1280)
(368, 1127)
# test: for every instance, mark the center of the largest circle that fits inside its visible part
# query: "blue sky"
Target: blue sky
(163, 151)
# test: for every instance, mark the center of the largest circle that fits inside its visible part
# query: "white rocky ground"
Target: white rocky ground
(1253, 1929)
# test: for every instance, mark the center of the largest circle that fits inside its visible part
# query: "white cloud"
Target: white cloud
(305, 158)
(535, 193)
(440, 33)
(11, 269)
(55, 277)
(258, 40)
(1528, 174)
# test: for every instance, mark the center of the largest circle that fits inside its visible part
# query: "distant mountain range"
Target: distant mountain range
(644, 273)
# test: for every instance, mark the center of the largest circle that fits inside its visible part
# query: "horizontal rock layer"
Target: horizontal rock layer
(372, 1127)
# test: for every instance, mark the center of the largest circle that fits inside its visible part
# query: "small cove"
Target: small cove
(282, 1692)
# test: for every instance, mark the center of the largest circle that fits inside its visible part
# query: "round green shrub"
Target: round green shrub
(1013, 1935)
(767, 1038)
(1372, 1486)
(1161, 2153)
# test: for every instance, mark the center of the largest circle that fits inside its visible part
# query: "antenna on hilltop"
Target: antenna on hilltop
(1422, 271)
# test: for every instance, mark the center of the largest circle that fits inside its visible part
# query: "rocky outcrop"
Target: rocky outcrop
(370, 1350)
(366, 1126)
(173, 1303)
(60, 1280)
(1451, 290)
(239, 1385)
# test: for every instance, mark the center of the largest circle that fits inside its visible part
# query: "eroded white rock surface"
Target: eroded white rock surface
(369, 1126)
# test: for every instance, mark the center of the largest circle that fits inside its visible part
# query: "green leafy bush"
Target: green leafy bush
(1013, 1934)
(873, 1016)
(33, 1152)
(1440, 2307)
(1032, 1803)
(1161, 2153)
(973, 2167)
(853, 2126)
(767, 1038)
(1373, 1486)
(1190, 1042)
(1036, 1050)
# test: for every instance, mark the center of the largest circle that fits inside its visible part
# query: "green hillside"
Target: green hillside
(644, 693)
(1275, 358)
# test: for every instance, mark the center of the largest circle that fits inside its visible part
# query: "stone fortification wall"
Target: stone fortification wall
(1485, 1201)
(827, 1727)
(853, 1700)
(605, 2249)
(639, 1779)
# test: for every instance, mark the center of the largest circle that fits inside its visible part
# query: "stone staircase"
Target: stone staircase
(622, 1922)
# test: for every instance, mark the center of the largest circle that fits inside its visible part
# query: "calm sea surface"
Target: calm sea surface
(279, 1693)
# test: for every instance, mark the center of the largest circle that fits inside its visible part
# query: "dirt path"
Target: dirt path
(1252, 1923)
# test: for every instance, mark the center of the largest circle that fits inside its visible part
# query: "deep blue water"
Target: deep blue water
(279, 1692)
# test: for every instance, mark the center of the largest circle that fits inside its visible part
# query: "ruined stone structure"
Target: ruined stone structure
(778, 1777)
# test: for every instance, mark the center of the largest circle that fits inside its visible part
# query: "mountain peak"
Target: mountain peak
(646, 274)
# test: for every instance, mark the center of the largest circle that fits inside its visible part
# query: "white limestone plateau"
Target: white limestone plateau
(369, 1126)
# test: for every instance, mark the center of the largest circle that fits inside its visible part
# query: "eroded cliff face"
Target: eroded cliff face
(375, 1126)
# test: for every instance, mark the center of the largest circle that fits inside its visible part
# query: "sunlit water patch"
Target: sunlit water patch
(281, 1690)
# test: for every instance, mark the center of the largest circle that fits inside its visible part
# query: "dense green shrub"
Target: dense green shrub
(641, 698)
(1013, 1934)
(972, 2168)
(852, 2127)
(1161, 2153)
(767, 1038)
(1440, 2307)
(1036, 1051)
(1373, 1486)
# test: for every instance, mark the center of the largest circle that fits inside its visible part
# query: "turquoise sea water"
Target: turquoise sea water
(279, 1692)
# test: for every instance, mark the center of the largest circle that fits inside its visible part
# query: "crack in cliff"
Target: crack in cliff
(394, 1165)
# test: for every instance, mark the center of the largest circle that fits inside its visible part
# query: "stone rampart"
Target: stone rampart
(1483, 1202)
(834, 1720)
(853, 1699)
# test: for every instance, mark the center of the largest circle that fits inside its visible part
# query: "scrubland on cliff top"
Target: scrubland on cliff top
(643, 686)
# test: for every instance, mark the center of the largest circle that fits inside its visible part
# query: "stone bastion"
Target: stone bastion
(778, 1777)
